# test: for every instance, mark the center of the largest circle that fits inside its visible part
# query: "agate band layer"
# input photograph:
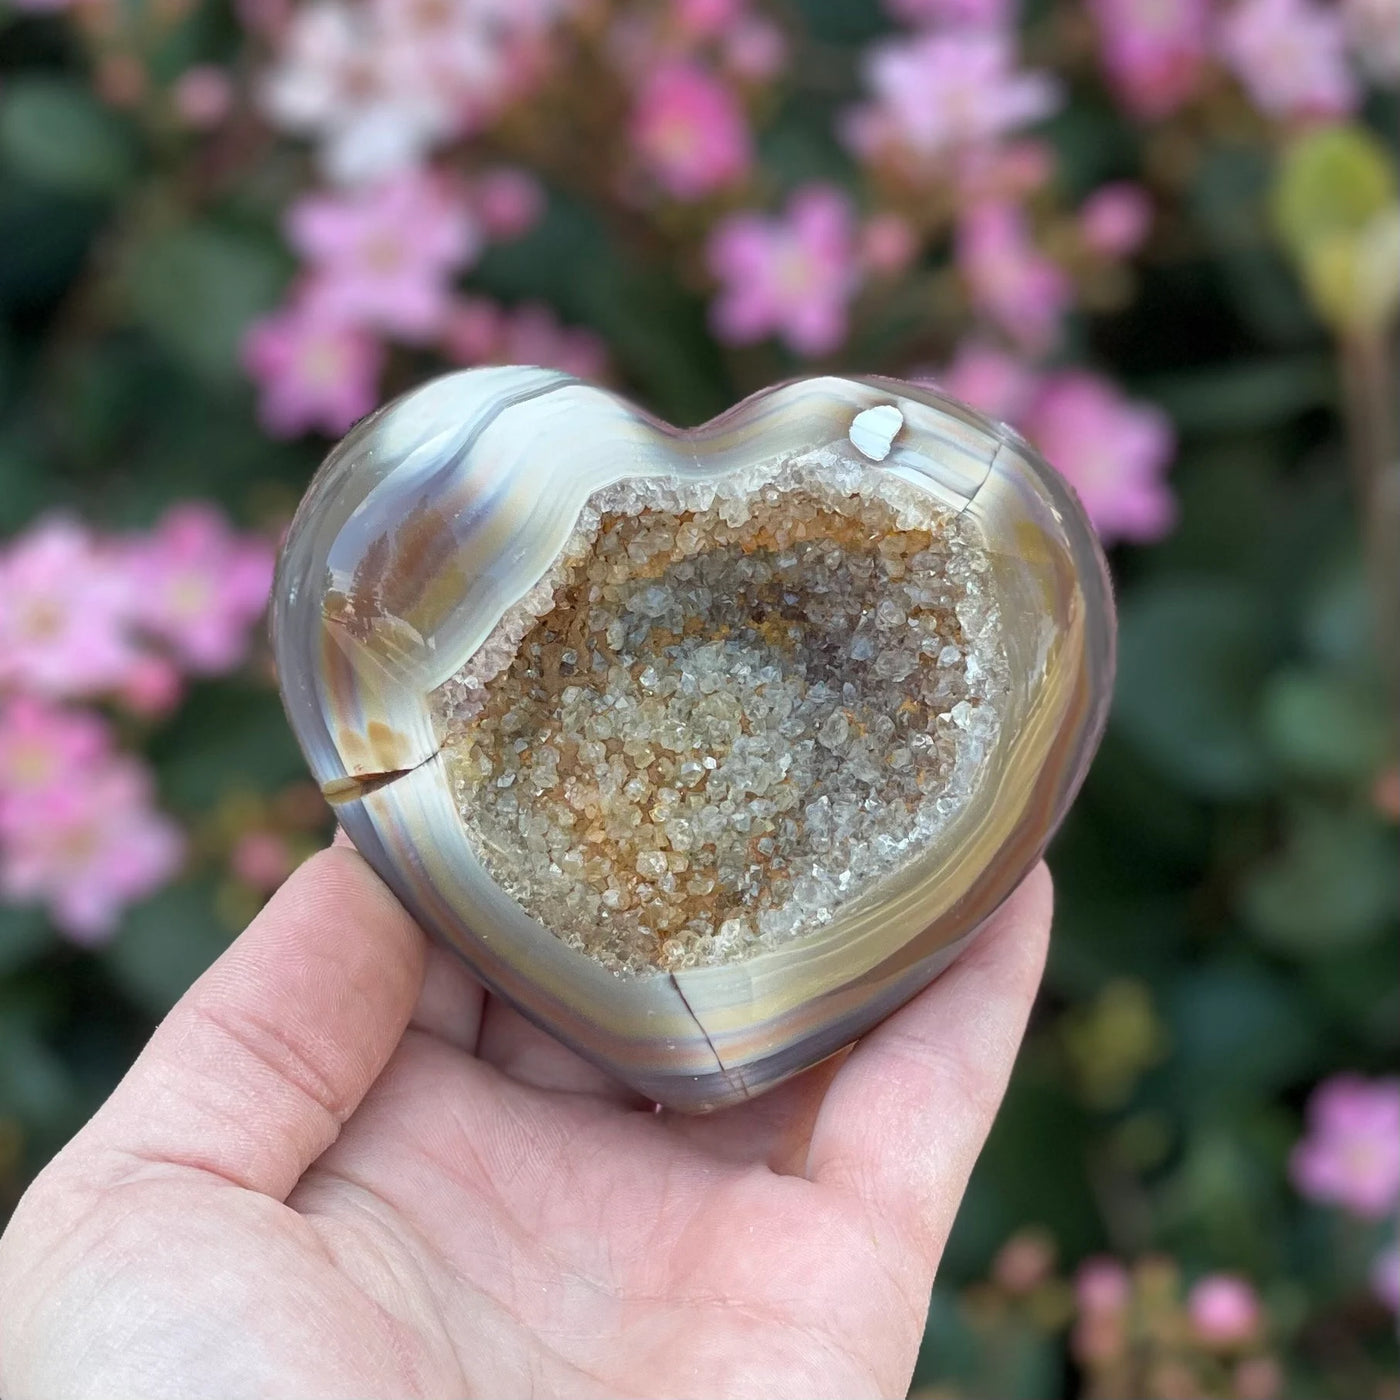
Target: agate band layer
(849, 618)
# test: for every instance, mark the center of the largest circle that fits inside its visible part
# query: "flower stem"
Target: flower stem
(1373, 431)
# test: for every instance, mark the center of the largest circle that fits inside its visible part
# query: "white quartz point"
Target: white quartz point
(874, 429)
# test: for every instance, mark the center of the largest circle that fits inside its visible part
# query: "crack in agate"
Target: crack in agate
(730, 709)
(733, 1074)
(355, 786)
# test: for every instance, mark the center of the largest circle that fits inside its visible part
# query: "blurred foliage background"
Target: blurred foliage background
(1162, 238)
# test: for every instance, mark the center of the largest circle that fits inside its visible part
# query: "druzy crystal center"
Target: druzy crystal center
(705, 748)
(728, 710)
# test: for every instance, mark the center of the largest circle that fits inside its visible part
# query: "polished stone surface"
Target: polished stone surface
(706, 749)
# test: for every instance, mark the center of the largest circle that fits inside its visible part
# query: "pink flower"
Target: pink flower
(1257, 1378)
(1024, 1262)
(508, 202)
(980, 14)
(1103, 1292)
(1351, 1154)
(888, 244)
(475, 56)
(1373, 28)
(1290, 56)
(262, 859)
(315, 369)
(706, 19)
(264, 19)
(941, 92)
(43, 746)
(531, 335)
(1115, 219)
(89, 847)
(791, 276)
(1111, 451)
(199, 586)
(383, 255)
(334, 80)
(689, 131)
(1385, 1277)
(203, 96)
(1102, 1285)
(990, 380)
(152, 687)
(1009, 170)
(120, 79)
(479, 331)
(1008, 278)
(1153, 52)
(474, 331)
(1224, 1310)
(64, 609)
(754, 49)
(379, 84)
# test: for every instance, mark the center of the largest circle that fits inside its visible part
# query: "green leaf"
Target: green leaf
(197, 289)
(1229, 200)
(56, 133)
(1326, 726)
(45, 236)
(1358, 988)
(655, 332)
(1244, 394)
(839, 22)
(1221, 1198)
(1337, 615)
(1192, 659)
(1038, 1122)
(1144, 834)
(1219, 482)
(950, 1347)
(34, 1085)
(227, 738)
(1334, 883)
(164, 944)
(1353, 279)
(1335, 210)
(24, 934)
(221, 435)
(1092, 143)
(1334, 179)
(799, 145)
(1239, 1032)
(24, 488)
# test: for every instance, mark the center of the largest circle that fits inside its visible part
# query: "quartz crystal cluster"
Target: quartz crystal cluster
(729, 708)
(705, 748)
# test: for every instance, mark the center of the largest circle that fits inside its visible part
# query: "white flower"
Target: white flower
(334, 81)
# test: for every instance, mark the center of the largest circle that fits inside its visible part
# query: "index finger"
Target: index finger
(252, 1074)
(906, 1117)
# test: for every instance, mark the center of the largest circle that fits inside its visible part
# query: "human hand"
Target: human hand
(327, 1176)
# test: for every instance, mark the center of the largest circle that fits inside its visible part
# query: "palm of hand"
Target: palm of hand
(266, 1208)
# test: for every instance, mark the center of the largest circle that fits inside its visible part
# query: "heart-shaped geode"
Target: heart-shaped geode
(705, 749)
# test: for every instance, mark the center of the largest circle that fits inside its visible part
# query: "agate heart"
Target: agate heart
(705, 749)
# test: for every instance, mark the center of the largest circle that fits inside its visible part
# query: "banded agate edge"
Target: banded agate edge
(456, 499)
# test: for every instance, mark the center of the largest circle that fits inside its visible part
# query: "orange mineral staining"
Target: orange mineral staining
(719, 723)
